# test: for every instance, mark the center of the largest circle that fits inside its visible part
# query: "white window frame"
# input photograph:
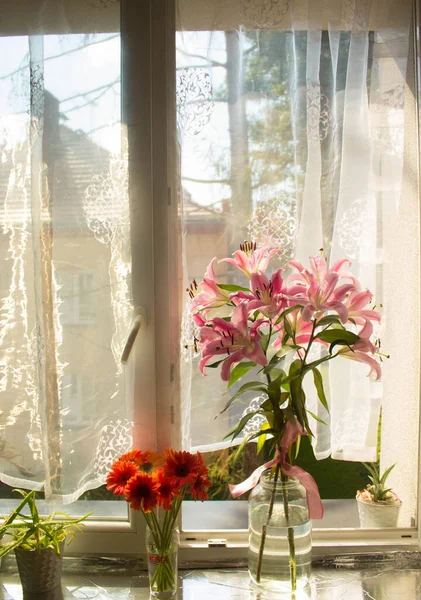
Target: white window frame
(148, 44)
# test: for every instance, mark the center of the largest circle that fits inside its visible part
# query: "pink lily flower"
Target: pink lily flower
(317, 290)
(233, 338)
(267, 295)
(360, 352)
(356, 303)
(211, 295)
(250, 260)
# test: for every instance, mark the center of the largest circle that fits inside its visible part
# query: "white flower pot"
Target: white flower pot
(378, 514)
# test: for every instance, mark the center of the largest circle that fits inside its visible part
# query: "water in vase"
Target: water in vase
(275, 572)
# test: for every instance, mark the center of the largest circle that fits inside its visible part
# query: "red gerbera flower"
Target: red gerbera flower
(132, 455)
(149, 461)
(181, 467)
(198, 489)
(142, 492)
(199, 486)
(117, 478)
(166, 491)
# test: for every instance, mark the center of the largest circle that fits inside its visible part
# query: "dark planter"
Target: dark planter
(39, 570)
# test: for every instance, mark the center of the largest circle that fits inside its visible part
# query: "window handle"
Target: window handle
(139, 319)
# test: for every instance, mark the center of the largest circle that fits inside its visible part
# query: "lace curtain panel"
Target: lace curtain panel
(293, 122)
(65, 303)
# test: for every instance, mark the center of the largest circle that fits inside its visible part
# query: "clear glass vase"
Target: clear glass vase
(279, 555)
(162, 556)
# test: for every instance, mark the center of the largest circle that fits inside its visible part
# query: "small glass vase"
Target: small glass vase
(162, 557)
(279, 555)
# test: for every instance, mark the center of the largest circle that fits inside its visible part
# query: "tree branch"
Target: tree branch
(210, 61)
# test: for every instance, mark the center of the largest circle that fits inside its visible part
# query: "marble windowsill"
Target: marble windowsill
(394, 576)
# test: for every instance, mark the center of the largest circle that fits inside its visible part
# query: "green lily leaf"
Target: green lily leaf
(297, 446)
(241, 447)
(251, 385)
(239, 370)
(228, 287)
(262, 437)
(333, 335)
(238, 428)
(215, 364)
(318, 382)
(274, 361)
(316, 418)
(288, 328)
(336, 337)
(329, 320)
(286, 312)
(269, 417)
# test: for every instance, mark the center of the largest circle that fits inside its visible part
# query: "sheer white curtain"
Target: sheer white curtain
(291, 123)
(65, 278)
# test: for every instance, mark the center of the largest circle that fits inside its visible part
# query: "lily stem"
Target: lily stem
(291, 539)
(264, 527)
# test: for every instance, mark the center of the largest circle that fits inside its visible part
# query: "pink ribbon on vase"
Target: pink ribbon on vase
(290, 435)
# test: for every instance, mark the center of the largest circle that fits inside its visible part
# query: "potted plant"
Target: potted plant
(38, 543)
(378, 506)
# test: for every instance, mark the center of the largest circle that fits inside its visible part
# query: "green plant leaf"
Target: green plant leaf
(329, 320)
(288, 328)
(15, 513)
(239, 370)
(269, 417)
(318, 382)
(257, 386)
(274, 361)
(262, 438)
(264, 433)
(316, 418)
(19, 541)
(232, 288)
(238, 428)
(386, 474)
(241, 447)
(286, 312)
(316, 363)
(216, 364)
(373, 472)
(335, 336)
(297, 446)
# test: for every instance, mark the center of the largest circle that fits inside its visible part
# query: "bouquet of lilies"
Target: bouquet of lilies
(274, 323)
(150, 481)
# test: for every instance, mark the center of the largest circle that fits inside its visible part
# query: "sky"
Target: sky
(82, 71)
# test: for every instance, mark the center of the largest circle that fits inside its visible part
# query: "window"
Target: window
(78, 399)
(78, 293)
(293, 133)
(150, 180)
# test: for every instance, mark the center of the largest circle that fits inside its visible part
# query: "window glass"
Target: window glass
(297, 139)
(65, 300)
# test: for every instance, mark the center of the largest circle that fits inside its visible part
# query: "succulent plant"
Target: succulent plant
(376, 490)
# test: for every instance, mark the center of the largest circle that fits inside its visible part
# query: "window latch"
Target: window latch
(138, 320)
(217, 543)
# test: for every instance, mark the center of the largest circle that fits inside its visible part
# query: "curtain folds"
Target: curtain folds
(65, 281)
(294, 138)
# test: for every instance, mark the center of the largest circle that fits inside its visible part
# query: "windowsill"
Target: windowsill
(233, 515)
(352, 577)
